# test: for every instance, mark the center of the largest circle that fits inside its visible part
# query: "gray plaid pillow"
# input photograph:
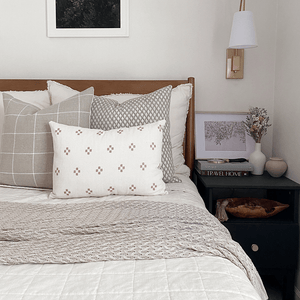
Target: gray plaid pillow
(107, 114)
(26, 157)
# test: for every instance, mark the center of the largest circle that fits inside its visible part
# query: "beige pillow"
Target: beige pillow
(40, 99)
(27, 151)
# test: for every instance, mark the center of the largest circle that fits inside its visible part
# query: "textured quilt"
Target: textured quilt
(107, 231)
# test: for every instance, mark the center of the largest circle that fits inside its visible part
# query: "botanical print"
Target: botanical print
(88, 14)
(224, 136)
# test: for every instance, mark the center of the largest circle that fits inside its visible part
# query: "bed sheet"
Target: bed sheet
(181, 193)
(186, 278)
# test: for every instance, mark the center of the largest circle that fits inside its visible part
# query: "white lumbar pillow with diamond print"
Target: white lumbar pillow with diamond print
(92, 162)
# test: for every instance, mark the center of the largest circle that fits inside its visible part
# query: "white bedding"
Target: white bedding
(185, 278)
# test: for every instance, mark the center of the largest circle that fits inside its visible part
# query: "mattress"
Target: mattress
(206, 277)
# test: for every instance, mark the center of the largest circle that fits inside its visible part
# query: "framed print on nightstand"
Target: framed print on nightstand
(88, 18)
(222, 135)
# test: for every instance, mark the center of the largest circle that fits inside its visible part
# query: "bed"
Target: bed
(66, 234)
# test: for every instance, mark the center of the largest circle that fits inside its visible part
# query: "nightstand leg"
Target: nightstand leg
(288, 285)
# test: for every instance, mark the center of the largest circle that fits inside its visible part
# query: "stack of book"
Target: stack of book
(234, 169)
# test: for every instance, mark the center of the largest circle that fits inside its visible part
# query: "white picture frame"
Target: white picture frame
(53, 31)
(220, 142)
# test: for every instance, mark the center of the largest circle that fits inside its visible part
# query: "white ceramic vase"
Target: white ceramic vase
(276, 166)
(258, 160)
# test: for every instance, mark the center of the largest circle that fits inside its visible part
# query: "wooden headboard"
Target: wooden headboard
(105, 87)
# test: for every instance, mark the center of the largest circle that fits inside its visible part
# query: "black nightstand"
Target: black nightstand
(271, 243)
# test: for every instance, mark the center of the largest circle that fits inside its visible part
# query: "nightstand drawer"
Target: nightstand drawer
(269, 245)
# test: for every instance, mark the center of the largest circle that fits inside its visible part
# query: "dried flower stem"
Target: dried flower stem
(256, 123)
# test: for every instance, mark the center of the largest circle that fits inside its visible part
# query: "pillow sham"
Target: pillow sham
(27, 151)
(59, 92)
(40, 99)
(93, 162)
(107, 114)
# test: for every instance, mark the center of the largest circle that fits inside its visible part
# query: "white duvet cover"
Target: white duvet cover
(198, 278)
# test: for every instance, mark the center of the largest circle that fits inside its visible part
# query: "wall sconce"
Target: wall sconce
(242, 36)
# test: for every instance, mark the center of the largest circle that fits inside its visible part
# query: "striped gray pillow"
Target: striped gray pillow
(107, 114)
(26, 157)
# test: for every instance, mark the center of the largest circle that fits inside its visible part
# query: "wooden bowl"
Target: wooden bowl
(254, 207)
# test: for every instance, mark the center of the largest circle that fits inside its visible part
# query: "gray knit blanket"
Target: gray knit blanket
(105, 231)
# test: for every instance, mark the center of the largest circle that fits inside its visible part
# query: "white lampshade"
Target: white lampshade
(243, 31)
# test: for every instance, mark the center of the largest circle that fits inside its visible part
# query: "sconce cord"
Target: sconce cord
(242, 3)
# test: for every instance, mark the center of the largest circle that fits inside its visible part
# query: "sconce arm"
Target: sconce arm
(242, 4)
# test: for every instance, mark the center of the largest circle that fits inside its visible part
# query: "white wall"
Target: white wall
(168, 39)
(287, 87)
(287, 91)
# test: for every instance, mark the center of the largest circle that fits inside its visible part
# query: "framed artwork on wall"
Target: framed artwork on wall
(88, 18)
(222, 135)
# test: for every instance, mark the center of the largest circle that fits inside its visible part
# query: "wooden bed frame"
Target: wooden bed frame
(106, 87)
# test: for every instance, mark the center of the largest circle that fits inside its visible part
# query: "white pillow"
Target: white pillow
(40, 99)
(179, 106)
(59, 92)
(93, 162)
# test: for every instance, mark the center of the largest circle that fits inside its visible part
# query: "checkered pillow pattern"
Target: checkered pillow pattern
(93, 162)
(107, 114)
(26, 157)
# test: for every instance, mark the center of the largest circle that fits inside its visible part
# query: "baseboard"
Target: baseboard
(297, 293)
